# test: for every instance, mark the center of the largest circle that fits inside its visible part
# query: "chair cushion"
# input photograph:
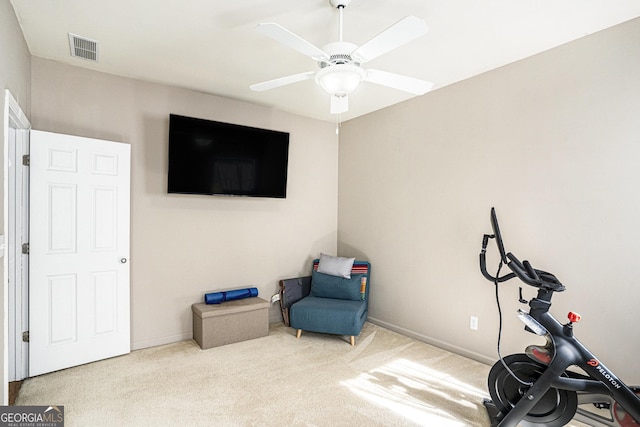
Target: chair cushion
(336, 266)
(341, 317)
(327, 286)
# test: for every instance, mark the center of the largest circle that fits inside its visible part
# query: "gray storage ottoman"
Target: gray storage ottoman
(229, 322)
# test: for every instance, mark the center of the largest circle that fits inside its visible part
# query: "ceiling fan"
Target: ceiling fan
(340, 62)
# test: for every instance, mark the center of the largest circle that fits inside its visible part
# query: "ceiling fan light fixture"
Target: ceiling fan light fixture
(340, 79)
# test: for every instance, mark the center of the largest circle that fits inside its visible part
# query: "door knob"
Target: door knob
(123, 260)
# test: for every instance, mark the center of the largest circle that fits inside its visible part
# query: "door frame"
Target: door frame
(16, 302)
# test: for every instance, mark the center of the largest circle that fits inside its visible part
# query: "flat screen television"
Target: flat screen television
(214, 158)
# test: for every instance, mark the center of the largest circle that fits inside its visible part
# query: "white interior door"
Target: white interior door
(16, 233)
(79, 251)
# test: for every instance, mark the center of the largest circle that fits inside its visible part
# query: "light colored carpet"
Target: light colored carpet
(387, 379)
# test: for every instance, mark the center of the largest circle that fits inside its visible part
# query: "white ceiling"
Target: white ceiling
(212, 46)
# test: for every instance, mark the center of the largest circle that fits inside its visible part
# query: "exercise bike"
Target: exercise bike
(536, 388)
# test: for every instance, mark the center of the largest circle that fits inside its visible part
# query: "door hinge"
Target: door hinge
(25, 248)
(25, 336)
(26, 160)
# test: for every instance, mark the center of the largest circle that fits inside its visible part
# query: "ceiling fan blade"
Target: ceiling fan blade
(287, 38)
(402, 32)
(282, 81)
(397, 81)
(339, 104)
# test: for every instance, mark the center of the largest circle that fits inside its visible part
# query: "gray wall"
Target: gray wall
(553, 142)
(15, 76)
(181, 245)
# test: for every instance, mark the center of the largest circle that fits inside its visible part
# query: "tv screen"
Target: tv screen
(214, 158)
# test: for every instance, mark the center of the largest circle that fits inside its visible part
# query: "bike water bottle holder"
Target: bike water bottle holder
(531, 323)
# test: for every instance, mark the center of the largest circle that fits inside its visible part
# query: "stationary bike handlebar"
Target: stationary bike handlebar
(483, 263)
(522, 270)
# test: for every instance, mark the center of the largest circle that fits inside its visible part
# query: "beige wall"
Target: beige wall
(14, 59)
(14, 75)
(183, 246)
(15, 64)
(553, 142)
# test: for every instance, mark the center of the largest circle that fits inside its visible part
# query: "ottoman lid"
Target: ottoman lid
(228, 307)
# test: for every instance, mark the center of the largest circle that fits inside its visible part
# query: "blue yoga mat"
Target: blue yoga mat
(218, 297)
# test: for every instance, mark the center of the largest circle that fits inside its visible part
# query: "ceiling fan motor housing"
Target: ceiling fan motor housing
(339, 53)
(340, 3)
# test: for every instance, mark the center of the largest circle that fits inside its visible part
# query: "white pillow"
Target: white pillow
(335, 266)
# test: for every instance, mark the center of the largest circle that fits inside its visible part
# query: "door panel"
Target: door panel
(79, 251)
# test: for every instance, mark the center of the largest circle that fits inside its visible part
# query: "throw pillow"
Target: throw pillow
(328, 286)
(335, 266)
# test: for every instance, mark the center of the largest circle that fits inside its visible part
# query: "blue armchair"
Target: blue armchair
(334, 304)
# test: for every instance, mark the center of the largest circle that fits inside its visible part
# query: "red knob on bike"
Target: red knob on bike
(574, 317)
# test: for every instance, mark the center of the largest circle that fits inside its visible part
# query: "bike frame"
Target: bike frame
(569, 351)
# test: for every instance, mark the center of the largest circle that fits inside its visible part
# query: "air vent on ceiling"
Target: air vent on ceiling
(82, 47)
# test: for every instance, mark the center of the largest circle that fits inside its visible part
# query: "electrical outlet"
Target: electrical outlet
(473, 323)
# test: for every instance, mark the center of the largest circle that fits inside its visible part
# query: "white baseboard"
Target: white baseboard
(432, 341)
(154, 342)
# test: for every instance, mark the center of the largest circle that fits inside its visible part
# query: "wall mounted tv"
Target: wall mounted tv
(214, 158)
